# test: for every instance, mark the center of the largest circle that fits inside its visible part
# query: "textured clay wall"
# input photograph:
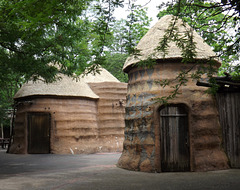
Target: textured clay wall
(73, 124)
(141, 148)
(19, 145)
(111, 111)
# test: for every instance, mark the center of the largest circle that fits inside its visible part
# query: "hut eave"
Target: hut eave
(55, 96)
(130, 63)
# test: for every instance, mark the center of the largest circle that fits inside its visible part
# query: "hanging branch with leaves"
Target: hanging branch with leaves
(211, 23)
(102, 22)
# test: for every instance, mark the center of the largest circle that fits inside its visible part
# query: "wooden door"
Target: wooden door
(174, 140)
(229, 112)
(39, 133)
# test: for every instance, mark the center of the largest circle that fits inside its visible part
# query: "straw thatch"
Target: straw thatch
(66, 86)
(102, 76)
(150, 42)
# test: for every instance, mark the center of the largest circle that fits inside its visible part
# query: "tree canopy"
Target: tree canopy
(217, 22)
(39, 39)
(36, 33)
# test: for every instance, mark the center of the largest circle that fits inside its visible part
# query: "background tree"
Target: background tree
(74, 36)
(217, 23)
(35, 33)
(126, 33)
(114, 64)
(11, 85)
(212, 20)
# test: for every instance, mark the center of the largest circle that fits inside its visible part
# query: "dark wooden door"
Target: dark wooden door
(174, 140)
(39, 133)
(229, 112)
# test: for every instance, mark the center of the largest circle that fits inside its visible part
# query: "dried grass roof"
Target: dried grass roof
(103, 76)
(151, 39)
(66, 86)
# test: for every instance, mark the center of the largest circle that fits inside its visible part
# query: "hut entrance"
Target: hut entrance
(39, 133)
(174, 139)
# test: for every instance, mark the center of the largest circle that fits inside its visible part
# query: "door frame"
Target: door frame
(27, 129)
(157, 128)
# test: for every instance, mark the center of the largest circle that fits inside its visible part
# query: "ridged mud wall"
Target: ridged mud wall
(111, 112)
(141, 147)
(74, 125)
(78, 125)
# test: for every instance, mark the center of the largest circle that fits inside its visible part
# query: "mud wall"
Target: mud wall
(141, 147)
(74, 126)
(111, 112)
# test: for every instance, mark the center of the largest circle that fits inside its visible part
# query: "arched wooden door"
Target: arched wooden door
(174, 139)
(39, 133)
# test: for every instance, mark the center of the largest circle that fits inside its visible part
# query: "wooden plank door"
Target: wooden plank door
(174, 140)
(229, 112)
(39, 133)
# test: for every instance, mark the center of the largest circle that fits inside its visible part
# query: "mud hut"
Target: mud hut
(185, 135)
(69, 116)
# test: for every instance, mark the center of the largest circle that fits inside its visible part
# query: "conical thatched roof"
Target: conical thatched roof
(66, 86)
(150, 42)
(103, 76)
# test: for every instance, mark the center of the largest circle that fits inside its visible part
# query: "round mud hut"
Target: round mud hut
(69, 116)
(185, 134)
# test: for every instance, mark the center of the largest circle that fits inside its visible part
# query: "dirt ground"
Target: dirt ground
(99, 171)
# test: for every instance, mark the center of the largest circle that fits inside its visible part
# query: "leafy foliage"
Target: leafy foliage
(125, 36)
(212, 20)
(11, 85)
(217, 23)
(101, 27)
(136, 26)
(39, 39)
(36, 33)
(114, 64)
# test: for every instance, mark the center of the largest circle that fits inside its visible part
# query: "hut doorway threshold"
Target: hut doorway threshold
(174, 139)
(39, 125)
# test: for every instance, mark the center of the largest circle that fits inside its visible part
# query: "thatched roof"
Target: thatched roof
(151, 39)
(103, 76)
(66, 86)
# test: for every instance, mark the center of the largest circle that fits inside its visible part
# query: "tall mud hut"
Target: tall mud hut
(69, 116)
(184, 135)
